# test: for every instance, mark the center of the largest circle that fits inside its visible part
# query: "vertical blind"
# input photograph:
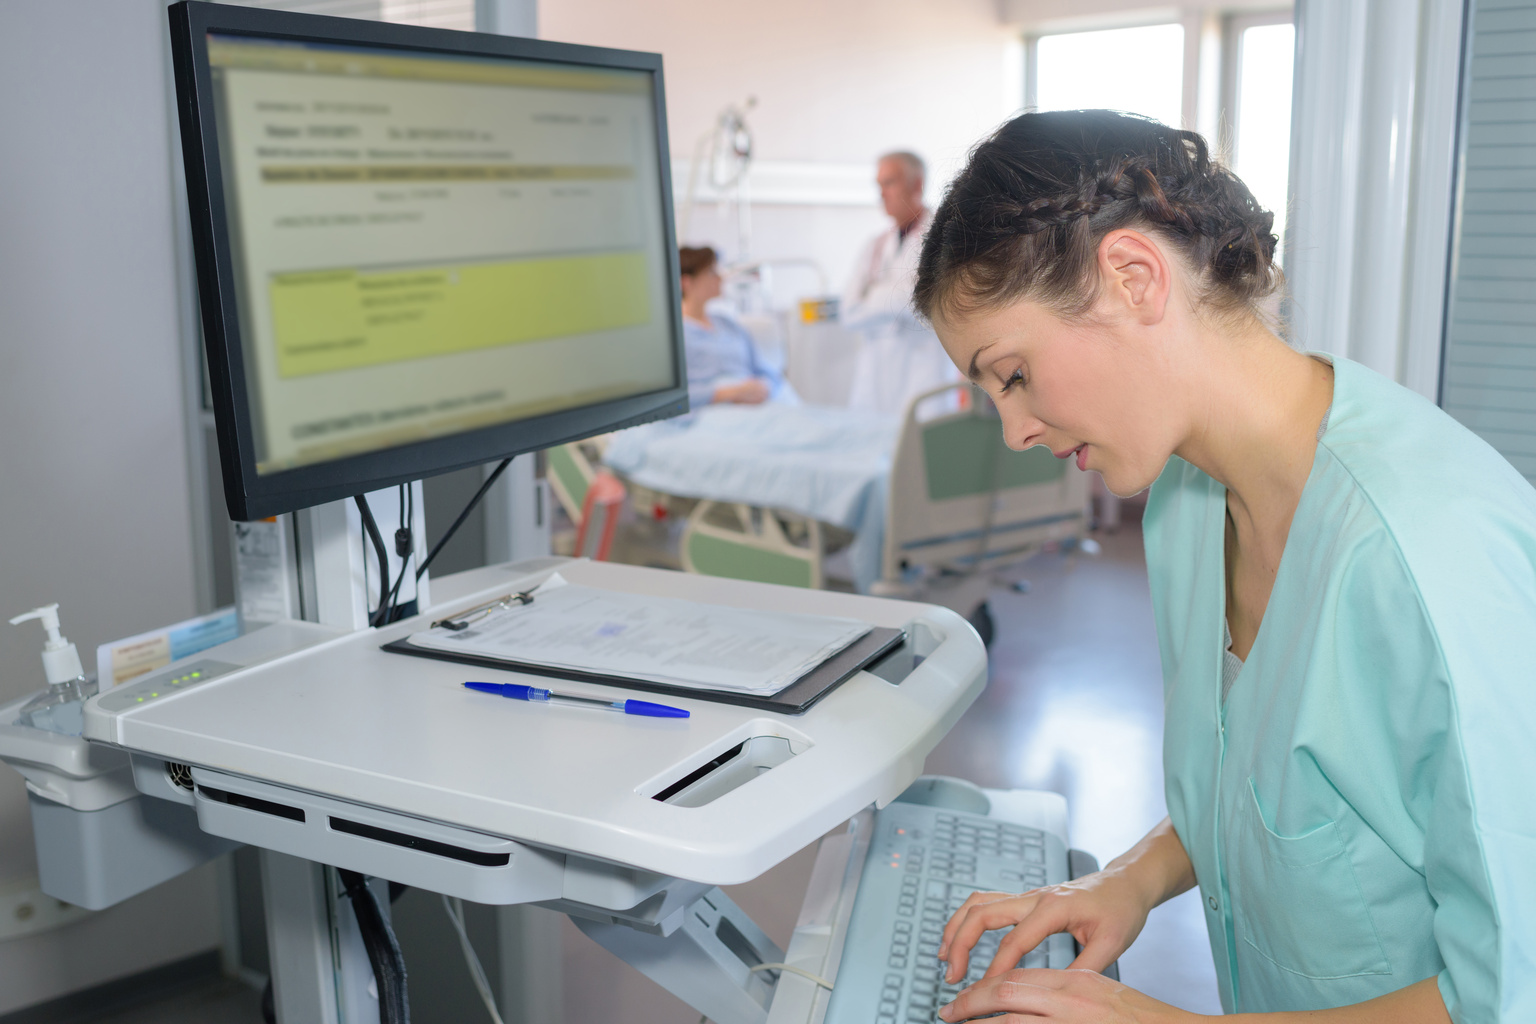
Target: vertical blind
(459, 14)
(1488, 380)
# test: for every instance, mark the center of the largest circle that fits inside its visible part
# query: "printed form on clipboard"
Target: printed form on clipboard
(672, 642)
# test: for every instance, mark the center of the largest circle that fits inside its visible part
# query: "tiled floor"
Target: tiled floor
(1075, 705)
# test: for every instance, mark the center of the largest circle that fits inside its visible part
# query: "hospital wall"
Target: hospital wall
(837, 84)
(93, 470)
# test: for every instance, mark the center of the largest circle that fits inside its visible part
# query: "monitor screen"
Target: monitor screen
(427, 249)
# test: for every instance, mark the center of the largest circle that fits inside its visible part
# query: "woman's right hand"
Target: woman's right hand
(1104, 911)
(752, 391)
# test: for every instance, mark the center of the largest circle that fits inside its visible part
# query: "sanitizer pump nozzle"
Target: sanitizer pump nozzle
(58, 708)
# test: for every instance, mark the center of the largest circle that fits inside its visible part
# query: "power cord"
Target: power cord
(371, 528)
(404, 545)
(438, 547)
(388, 595)
(455, 910)
(383, 949)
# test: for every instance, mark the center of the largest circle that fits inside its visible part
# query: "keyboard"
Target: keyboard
(923, 862)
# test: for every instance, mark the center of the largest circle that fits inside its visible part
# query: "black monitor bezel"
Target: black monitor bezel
(251, 495)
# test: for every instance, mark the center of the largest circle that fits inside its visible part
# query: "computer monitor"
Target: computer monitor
(419, 250)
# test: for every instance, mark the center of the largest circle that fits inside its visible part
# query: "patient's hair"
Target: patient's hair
(695, 261)
(1024, 219)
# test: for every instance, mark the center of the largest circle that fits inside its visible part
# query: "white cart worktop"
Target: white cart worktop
(346, 720)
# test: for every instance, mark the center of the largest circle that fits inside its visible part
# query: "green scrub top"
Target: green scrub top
(1361, 814)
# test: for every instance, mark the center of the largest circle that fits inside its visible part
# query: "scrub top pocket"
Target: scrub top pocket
(1298, 905)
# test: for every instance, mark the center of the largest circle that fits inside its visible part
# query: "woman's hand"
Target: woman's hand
(1067, 996)
(1104, 911)
(752, 391)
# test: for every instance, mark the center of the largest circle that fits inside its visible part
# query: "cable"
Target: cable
(455, 910)
(462, 516)
(372, 529)
(404, 545)
(792, 969)
(383, 950)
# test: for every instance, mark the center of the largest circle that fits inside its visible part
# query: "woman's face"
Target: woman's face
(703, 286)
(1088, 391)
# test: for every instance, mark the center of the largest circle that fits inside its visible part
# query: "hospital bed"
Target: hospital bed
(930, 503)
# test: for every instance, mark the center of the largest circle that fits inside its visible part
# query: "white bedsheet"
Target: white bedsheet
(825, 463)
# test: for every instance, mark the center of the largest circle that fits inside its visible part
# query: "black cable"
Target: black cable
(372, 529)
(383, 949)
(462, 516)
(404, 545)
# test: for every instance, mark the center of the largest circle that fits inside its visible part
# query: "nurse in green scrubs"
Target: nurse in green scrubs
(1344, 582)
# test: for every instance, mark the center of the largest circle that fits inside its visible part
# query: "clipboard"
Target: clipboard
(794, 699)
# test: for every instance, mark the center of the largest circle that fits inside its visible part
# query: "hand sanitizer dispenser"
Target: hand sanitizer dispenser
(58, 708)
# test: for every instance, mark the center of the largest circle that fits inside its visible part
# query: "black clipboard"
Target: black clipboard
(794, 699)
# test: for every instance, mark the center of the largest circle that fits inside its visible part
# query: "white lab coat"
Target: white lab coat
(901, 356)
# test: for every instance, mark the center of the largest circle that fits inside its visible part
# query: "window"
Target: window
(1244, 98)
(1261, 127)
(1138, 70)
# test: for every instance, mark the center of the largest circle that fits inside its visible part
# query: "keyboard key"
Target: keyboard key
(887, 1008)
(926, 972)
(893, 981)
(920, 1015)
(886, 1019)
(897, 962)
(903, 926)
(1034, 854)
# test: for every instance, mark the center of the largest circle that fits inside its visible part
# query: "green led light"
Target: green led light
(154, 695)
(196, 675)
(141, 700)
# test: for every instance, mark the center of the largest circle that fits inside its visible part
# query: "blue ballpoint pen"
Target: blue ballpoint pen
(517, 691)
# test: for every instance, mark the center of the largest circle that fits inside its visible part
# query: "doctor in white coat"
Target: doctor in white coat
(901, 356)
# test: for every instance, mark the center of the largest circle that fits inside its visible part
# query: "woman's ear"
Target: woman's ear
(1136, 275)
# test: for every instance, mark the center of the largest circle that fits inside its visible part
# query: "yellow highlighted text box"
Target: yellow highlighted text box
(345, 319)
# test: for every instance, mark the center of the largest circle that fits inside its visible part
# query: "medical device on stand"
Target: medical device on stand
(467, 256)
(724, 155)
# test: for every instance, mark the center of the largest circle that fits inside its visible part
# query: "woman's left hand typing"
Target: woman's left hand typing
(1068, 996)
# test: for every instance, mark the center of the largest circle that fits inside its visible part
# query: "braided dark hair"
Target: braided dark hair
(1025, 217)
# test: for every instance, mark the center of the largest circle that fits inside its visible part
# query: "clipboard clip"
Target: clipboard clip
(480, 611)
